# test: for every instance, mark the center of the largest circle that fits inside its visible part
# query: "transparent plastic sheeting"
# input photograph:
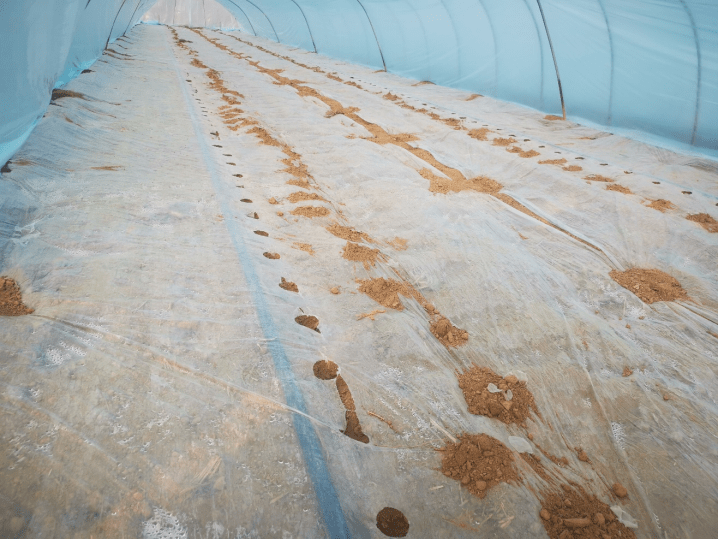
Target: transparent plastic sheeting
(162, 389)
(43, 45)
(208, 14)
(646, 66)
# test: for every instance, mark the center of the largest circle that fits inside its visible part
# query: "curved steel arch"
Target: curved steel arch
(113, 23)
(456, 38)
(611, 61)
(246, 17)
(375, 34)
(494, 41)
(268, 20)
(556, 67)
(541, 54)
(131, 16)
(307, 23)
(699, 69)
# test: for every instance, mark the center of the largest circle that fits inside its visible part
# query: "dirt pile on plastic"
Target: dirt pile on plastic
(661, 205)
(519, 151)
(479, 462)
(301, 196)
(271, 256)
(448, 334)
(386, 292)
(441, 184)
(706, 220)
(353, 428)
(499, 141)
(348, 233)
(11, 299)
(619, 189)
(392, 522)
(311, 211)
(288, 285)
(479, 134)
(650, 285)
(578, 515)
(311, 322)
(598, 178)
(553, 162)
(359, 253)
(325, 369)
(488, 394)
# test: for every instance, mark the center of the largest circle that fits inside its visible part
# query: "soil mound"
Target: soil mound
(325, 369)
(553, 162)
(519, 151)
(576, 514)
(572, 168)
(392, 522)
(661, 205)
(271, 256)
(385, 292)
(442, 184)
(706, 220)
(301, 195)
(479, 462)
(353, 428)
(11, 299)
(359, 253)
(348, 233)
(619, 189)
(598, 178)
(311, 211)
(288, 285)
(650, 285)
(448, 334)
(503, 141)
(479, 134)
(499, 403)
(311, 322)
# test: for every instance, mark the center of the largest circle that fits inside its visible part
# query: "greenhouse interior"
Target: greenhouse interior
(358, 269)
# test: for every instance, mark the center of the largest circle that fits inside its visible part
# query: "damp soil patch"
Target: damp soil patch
(386, 292)
(62, 94)
(392, 522)
(650, 285)
(705, 220)
(479, 462)
(506, 399)
(11, 303)
(325, 369)
(574, 514)
(353, 429)
(271, 256)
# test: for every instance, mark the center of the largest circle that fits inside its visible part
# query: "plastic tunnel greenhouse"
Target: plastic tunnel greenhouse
(358, 268)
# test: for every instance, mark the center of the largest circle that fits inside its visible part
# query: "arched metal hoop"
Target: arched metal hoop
(556, 68)
(268, 20)
(699, 70)
(375, 35)
(113, 24)
(246, 17)
(132, 16)
(307, 23)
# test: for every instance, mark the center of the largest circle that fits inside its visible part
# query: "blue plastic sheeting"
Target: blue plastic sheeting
(648, 66)
(43, 45)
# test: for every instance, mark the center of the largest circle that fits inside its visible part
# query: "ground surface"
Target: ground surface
(164, 384)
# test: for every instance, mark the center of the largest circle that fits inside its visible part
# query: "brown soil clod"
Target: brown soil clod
(11, 303)
(348, 233)
(447, 333)
(261, 233)
(619, 189)
(582, 455)
(271, 256)
(650, 285)
(311, 322)
(661, 205)
(503, 141)
(479, 462)
(392, 522)
(443, 184)
(574, 514)
(598, 178)
(302, 196)
(288, 285)
(519, 151)
(619, 490)
(705, 220)
(479, 134)
(561, 161)
(273, 200)
(474, 383)
(627, 372)
(325, 369)
(359, 253)
(61, 94)
(335, 290)
(385, 291)
(572, 168)
(353, 428)
(311, 211)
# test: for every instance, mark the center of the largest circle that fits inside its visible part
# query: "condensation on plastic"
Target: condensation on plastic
(146, 395)
(642, 67)
(43, 45)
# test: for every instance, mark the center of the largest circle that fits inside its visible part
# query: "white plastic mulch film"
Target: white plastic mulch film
(43, 45)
